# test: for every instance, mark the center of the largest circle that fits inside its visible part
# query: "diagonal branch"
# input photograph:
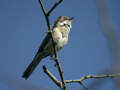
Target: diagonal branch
(54, 47)
(54, 6)
(58, 83)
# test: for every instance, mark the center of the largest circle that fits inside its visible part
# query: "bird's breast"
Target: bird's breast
(61, 43)
(60, 39)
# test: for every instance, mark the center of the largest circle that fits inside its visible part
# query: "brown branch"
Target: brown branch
(58, 83)
(45, 14)
(54, 79)
(54, 47)
(94, 77)
(80, 81)
(54, 6)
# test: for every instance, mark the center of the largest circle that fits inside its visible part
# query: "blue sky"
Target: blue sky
(21, 31)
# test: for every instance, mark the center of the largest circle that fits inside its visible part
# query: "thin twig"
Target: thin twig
(54, 6)
(94, 77)
(91, 76)
(54, 47)
(51, 76)
(45, 14)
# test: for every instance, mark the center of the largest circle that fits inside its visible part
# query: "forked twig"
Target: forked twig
(45, 14)
(92, 76)
(80, 81)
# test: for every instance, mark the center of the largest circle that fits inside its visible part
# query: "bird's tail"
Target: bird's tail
(32, 66)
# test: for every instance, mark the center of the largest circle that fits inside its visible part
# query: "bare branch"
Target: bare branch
(94, 77)
(80, 81)
(51, 76)
(45, 14)
(91, 76)
(54, 47)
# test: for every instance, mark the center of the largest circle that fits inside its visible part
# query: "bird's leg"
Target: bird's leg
(53, 58)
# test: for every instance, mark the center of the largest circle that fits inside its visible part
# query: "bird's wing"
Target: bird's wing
(45, 44)
(38, 57)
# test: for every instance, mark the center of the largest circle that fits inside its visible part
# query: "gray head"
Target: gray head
(63, 21)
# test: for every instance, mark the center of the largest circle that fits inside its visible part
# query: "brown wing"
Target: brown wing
(45, 43)
(38, 57)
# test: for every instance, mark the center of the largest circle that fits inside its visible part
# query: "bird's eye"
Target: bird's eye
(64, 24)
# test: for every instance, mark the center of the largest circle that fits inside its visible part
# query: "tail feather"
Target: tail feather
(31, 67)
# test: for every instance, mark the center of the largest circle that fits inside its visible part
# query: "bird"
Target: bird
(60, 33)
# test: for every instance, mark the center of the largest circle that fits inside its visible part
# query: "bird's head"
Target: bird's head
(63, 21)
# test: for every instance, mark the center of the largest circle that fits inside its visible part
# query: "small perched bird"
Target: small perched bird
(60, 32)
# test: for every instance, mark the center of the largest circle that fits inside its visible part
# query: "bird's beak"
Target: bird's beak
(71, 19)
